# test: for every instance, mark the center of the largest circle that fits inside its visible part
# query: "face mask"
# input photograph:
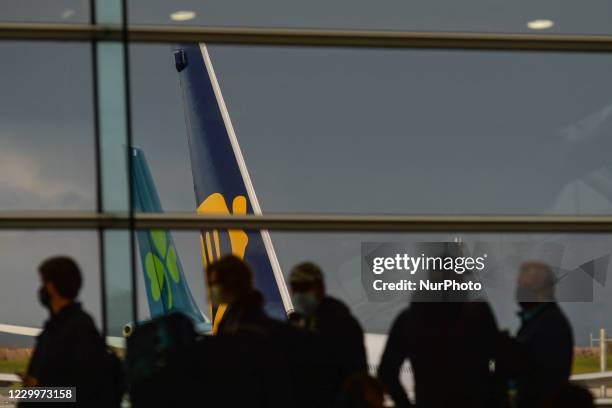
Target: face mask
(43, 297)
(305, 303)
(215, 295)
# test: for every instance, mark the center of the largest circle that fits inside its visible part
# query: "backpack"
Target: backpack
(158, 358)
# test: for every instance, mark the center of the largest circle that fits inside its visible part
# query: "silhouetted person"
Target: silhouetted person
(252, 363)
(450, 343)
(545, 338)
(230, 282)
(340, 337)
(69, 352)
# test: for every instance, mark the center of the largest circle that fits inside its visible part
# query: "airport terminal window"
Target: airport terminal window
(580, 262)
(584, 292)
(319, 130)
(22, 252)
(329, 130)
(47, 150)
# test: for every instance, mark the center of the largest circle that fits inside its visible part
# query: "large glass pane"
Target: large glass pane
(22, 253)
(47, 151)
(340, 255)
(567, 16)
(386, 131)
(580, 265)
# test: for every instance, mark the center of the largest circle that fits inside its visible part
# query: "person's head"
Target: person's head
(61, 281)
(307, 287)
(536, 284)
(229, 280)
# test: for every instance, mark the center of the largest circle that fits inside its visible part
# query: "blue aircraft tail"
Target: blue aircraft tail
(165, 283)
(221, 180)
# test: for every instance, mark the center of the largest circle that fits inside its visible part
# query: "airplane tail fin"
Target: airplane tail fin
(220, 177)
(166, 287)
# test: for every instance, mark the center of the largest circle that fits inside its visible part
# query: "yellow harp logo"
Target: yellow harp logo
(211, 250)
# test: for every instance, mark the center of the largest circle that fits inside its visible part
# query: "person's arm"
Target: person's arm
(391, 363)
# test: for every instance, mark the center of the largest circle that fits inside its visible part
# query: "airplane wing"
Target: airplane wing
(592, 380)
(20, 330)
(116, 342)
(9, 378)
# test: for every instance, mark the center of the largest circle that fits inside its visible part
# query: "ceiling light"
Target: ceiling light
(66, 14)
(540, 24)
(182, 15)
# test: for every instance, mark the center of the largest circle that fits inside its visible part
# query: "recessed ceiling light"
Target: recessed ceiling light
(182, 15)
(67, 13)
(540, 24)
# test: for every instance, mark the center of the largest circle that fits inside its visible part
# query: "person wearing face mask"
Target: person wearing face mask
(340, 336)
(69, 352)
(252, 349)
(230, 283)
(544, 340)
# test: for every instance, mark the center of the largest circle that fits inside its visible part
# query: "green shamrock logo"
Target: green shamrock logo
(161, 265)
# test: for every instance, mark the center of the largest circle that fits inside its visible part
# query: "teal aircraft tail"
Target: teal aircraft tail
(166, 287)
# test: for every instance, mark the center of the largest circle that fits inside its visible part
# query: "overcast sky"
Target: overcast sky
(322, 130)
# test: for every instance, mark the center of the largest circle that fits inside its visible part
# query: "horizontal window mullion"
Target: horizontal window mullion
(309, 222)
(309, 37)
